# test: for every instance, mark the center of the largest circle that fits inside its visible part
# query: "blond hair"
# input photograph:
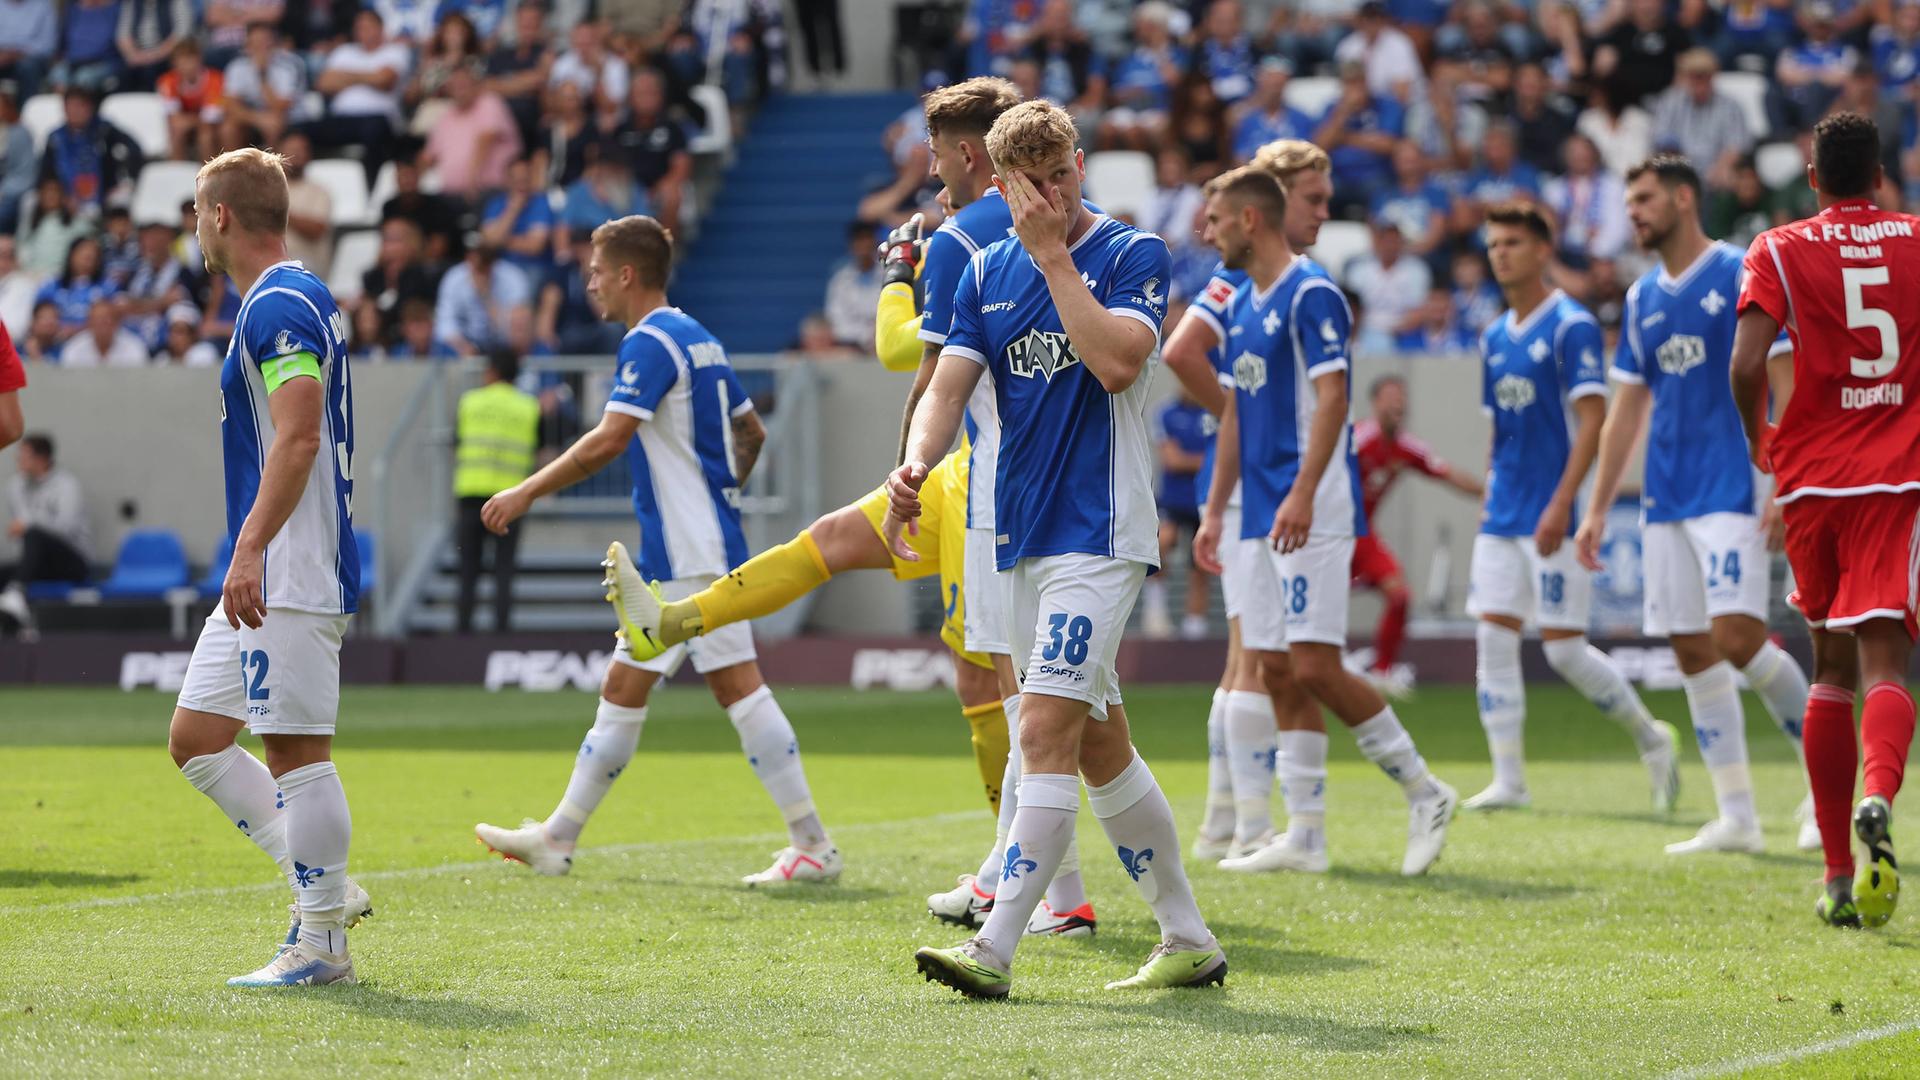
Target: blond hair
(640, 242)
(971, 107)
(1028, 134)
(252, 185)
(1285, 157)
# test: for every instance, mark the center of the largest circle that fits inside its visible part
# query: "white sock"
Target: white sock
(989, 876)
(1252, 744)
(1503, 701)
(604, 754)
(771, 748)
(1154, 597)
(240, 785)
(1782, 687)
(1599, 680)
(1303, 785)
(1041, 831)
(1134, 811)
(319, 831)
(1067, 891)
(1218, 824)
(1387, 744)
(1720, 728)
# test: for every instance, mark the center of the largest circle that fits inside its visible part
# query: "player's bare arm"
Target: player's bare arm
(1294, 520)
(1185, 354)
(1590, 412)
(1626, 420)
(295, 407)
(1226, 473)
(1114, 348)
(588, 455)
(749, 435)
(935, 424)
(923, 378)
(1464, 482)
(1753, 338)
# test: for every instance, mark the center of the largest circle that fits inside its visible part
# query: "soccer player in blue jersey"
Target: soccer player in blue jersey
(690, 436)
(1065, 316)
(1544, 387)
(268, 657)
(1244, 747)
(1705, 540)
(1285, 437)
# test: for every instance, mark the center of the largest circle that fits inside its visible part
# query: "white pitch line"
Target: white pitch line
(605, 851)
(1781, 1057)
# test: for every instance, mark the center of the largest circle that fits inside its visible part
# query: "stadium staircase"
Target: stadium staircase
(778, 226)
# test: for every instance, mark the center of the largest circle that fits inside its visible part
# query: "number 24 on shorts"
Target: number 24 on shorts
(1073, 643)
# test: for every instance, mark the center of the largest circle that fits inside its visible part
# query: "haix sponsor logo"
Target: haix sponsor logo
(1867, 397)
(1043, 352)
(1249, 372)
(1680, 354)
(1514, 392)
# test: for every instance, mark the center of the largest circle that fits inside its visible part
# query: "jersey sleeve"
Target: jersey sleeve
(1422, 457)
(1138, 284)
(1210, 307)
(1579, 350)
(737, 394)
(1627, 363)
(1760, 282)
(1322, 326)
(967, 337)
(285, 338)
(13, 374)
(647, 371)
(1486, 371)
(940, 270)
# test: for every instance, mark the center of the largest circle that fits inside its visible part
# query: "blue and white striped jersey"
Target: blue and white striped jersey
(1532, 371)
(1075, 473)
(675, 377)
(1278, 341)
(289, 327)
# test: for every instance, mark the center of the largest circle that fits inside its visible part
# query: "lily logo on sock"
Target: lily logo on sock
(243, 827)
(307, 875)
(1135, 861)
(1015, 865)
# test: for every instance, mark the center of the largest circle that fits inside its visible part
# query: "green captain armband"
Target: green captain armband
(279, 370)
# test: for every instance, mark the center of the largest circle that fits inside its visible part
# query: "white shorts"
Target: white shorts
(1311, 587)
(1508, 572)
(1702, 568)
(1233, 563)
(282, 679)
(1069, 612)
(985, 611)
(1263, 622)
(731, 644)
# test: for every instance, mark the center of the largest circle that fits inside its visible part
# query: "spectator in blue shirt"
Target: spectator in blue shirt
(1896, 48)
(1359, 132)
(1225, 53)
(88, 56)
(1810, 75)
(487, 17)
(1753, 32)
(1501, 176)
(1186, 431)
(1143, 81)
(519, 222)
(606, 190)
(993, 31)
(29, 37)
(478, 300)
(77, 287)
(18, 165)
(1268, 117)
(1476, 300)
(1071, 73)
(1415, 203)
(90, 157)
(567, 321)
(417, 339)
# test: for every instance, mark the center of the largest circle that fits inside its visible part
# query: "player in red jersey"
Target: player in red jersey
(13, 379)
(1385, 451)
(1846, 458)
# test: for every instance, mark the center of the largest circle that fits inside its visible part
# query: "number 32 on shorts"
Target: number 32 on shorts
(1068, 637)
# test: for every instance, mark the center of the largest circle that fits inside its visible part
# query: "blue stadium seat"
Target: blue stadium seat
(216, 579)
(151, 562)
(44, 592)
(368, 563)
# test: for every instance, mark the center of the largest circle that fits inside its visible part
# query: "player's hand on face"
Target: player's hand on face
(1552, 530)
(1586, 543)
(1293, 521)
(1206, 544)
(1773, 525)
(503, 510)
(1039, 219)
(241, 597)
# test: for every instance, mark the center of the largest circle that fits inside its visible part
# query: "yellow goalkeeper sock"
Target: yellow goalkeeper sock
(761, 586)
(990, 746)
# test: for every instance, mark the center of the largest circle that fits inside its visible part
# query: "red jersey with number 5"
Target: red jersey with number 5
(1846, 285)
(1382, 460)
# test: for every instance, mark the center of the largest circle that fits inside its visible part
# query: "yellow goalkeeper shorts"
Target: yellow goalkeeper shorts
(940, 543)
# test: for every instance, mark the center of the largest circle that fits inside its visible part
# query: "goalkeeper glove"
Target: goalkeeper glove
(901, 252)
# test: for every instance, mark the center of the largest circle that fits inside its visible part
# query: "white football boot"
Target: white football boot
(1496, 796)
(1281, 854)
(962, 905)
(299, 965)
(1721, 835)
(1809, 838)
(1427, 820)
(527, 844)
(791, 865)
(1663, 768)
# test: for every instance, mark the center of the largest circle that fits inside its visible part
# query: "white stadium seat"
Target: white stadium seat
(1121, 181)
(1340, 243)
(717, 136)
(346, 182)
(144, 118)
(354, 255)
(1749, 91)
(41, 113)
(1780, 164)
(162, 187)
(1313, 95)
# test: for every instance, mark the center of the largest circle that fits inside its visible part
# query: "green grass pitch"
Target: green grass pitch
(1555, 942)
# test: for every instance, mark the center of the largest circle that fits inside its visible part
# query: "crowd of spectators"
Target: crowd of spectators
(1430, 111)
(511, 127)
